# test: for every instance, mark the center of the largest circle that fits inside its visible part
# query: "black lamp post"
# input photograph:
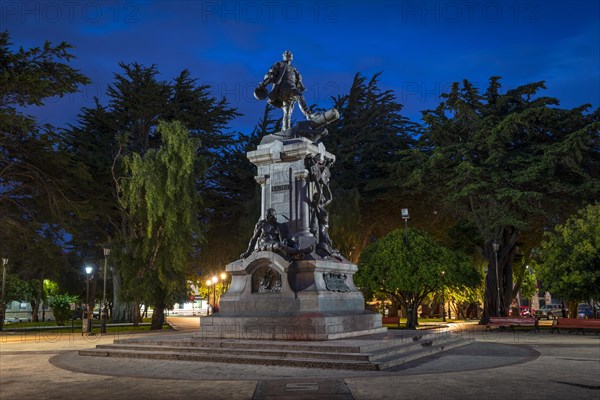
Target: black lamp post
(496, 247)
(104, 311)
(443, 298)
(405, 217)
(2, 305)
(208, 283)
(215, 279)
(88, 316)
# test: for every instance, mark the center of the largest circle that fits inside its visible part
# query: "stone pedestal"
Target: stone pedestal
(272, 297)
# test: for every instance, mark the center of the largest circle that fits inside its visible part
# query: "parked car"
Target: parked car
(584, 311)
(77, 313)
(549, 311)
(526, 311)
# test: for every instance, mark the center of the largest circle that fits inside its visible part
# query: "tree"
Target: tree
(160, 198)
(106, 135)
(569, 257)
(502, 165)
(409, 269)
(233, 204)
(14, 289)
(39, 194)
(368, 135)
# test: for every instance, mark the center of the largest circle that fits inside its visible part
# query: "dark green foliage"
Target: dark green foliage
(501, 164)
(61, 307)
(39, 180)
(569, 257)
(128, 125)
(233, 204)
(408, 270)
(35, 171)
(161, 202)
(366, 138)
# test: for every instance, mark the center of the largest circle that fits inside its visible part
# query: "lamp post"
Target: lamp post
(443, 298)
(223, 279)
(87, 328)
(496, 247)
(405, 217)
(104, 312)
(215, 279)
(208, 283)
(2, 305)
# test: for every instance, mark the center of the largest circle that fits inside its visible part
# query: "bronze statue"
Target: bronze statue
(287, 89)
(318, 172)
(267, 237)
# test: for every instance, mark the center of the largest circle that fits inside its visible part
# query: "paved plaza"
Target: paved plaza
(494, 365)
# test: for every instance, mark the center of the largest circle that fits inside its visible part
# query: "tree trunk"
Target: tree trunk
(490, 303)
(393, 309)
(499, 275)
(158, 317)
(2, 314)
(37, 301)
(135, 314)
(121, 312)
(35, 308)
(411, 316)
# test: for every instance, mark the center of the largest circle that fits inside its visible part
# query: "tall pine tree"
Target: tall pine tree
(503, 165)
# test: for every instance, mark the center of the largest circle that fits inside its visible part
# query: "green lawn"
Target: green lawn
(76, 326)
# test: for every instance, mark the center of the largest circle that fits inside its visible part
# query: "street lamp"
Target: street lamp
(88, 326)
(2, 305)
(104, 313)
(405, 217)
(223, 279)
(496, 247)
(443, 298)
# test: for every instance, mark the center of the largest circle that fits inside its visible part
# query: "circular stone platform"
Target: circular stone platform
(477, 355)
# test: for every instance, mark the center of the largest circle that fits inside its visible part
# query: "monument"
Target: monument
(291, 289)
(291, 283)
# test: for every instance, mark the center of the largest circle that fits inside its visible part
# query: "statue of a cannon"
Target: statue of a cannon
(314, 129)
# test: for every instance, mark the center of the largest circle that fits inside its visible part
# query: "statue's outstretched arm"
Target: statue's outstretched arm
(252, 243)
(271, 75)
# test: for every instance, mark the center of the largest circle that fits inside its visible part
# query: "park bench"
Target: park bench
(511, 322)
(391, 320)
(575, 324)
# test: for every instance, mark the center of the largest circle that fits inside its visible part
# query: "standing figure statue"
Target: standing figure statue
(267, 237)
(287, 89)
(319, 174)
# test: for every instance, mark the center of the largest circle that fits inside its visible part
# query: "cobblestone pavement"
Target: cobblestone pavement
(495, 365)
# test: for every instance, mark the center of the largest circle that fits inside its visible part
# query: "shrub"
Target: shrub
(61, 307)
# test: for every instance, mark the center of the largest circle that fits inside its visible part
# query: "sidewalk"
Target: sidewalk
(495, 366)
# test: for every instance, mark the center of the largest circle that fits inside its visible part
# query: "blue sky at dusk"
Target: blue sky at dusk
(421, 46)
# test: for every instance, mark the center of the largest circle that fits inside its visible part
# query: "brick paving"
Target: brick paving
(496, 365)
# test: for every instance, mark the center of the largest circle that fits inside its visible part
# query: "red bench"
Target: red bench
(391, 320)
(511, 322)
(575, 324)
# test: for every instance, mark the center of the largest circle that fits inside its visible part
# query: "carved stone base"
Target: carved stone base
(295, 326)
(273, 298)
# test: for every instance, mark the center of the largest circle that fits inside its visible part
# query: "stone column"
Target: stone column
(262, 181)
(302, 202)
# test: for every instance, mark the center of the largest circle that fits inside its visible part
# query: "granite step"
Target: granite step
(367, 354)
(398, 358)
(334, 346)
(240, 352)
(234, 358)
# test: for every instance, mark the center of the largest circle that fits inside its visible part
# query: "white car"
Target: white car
(549, 311)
